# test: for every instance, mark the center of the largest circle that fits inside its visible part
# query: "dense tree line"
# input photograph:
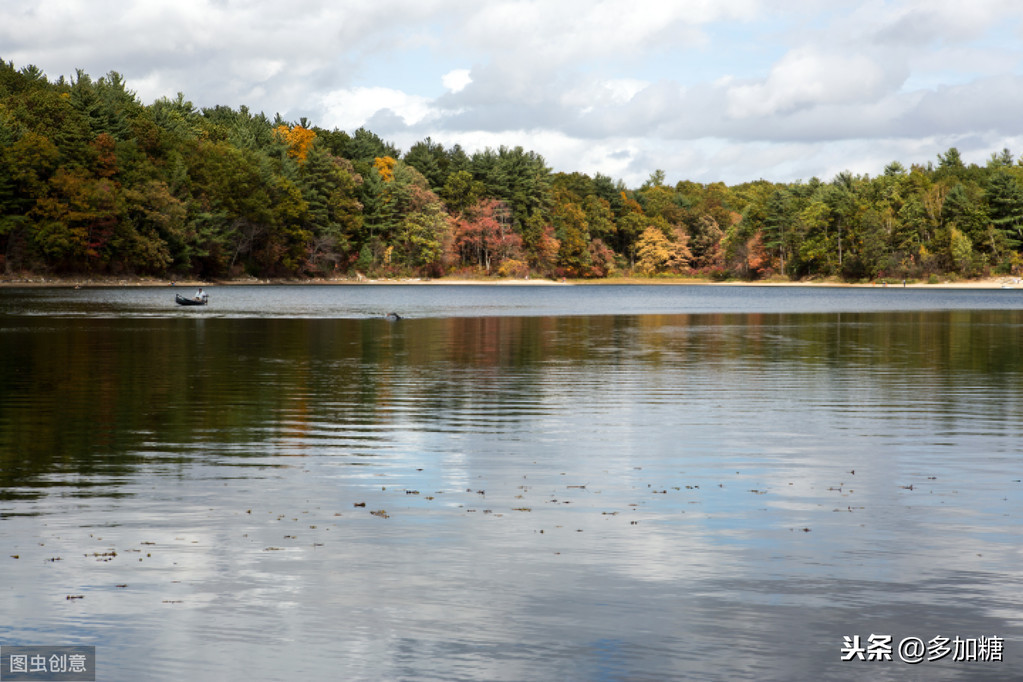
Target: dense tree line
(94, 182)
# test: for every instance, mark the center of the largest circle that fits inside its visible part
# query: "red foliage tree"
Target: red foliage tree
(484, 237)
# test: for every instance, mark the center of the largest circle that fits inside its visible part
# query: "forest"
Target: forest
(94, 183)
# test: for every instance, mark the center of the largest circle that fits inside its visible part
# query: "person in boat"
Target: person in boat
(201, 295)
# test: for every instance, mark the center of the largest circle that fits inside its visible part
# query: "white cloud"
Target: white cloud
(920, 22)
(624, 89)
(808, 77)
(595, 95)
(456, 80)
(352, 108)
(258, 70)
(579, 29)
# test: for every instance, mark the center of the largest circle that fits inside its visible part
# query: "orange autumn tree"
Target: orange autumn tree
(298, 139)
(385, 167)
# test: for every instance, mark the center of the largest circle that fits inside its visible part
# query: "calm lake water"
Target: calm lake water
(512, 483)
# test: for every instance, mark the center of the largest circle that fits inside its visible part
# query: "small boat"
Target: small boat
(189, 301)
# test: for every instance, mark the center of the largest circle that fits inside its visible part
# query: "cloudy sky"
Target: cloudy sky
(707, 90)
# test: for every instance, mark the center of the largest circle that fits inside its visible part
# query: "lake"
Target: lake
(515, 482)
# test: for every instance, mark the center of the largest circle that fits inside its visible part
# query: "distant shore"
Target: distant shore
(13, 281)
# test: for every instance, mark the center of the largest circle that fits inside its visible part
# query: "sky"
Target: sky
(705, 90)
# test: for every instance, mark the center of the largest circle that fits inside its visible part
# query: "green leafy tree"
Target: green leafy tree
(960, 250)
(157, 222)
(330, 189)
(366, 146)
(600, 220)
(572, 232)
(519, 178)
(430, 160)
(950, 164)
(73, 224)
(1005, 199)
(424, 237)
(777, 228)
(962, 209)
(461, 191)
(817, 250)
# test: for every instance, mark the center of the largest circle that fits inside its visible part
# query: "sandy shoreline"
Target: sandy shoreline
(1002, 282)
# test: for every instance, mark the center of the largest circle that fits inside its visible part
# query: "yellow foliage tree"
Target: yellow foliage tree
(385, 166)
(298, 139)
(656, 253)
(653, 251)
